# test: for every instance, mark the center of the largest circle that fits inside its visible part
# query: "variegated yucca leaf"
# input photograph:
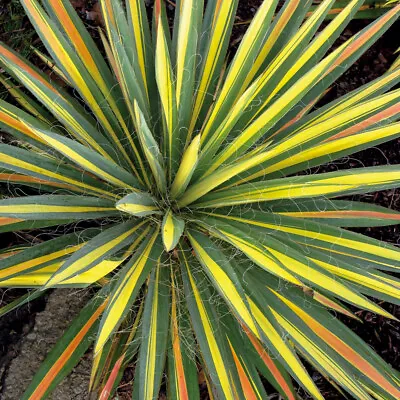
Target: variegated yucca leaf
(211, 257)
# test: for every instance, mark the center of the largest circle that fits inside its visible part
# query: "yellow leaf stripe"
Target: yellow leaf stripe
(139, 204)
(151, 351)
(185, 26)
(223, 174)
(219, 363)
(82, 161)
(363, 247)
(116, 52)
(365, 278)
(327, 282)
(44, 385)
(346, 139)
(121, 296)
(136, 209)
(229, 122)
(286, 353)
(38, 208)
(289, 49)
(95, 254)
(50, 64)
(243, 54)
(73, 72)
(41, 276)
(249, 388)
(268, 361)
(250, 193)
(85, 55)
(270, 40)
(165, 85)
(260, 257)
(340, 214)
(226, 286)
(188, 164)
(168, 231)
(26, 265)
(342, 348)
(16, 162)
(75, 128)
(320, 356)
(179, 377)
(292, 270)
(266, 119)
(21, 98)
(353, 100)
(134, 7)
(316, 45)
(10, 119)
(223, 13)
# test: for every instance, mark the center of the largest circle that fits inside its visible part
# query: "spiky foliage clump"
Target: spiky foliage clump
(207, 252)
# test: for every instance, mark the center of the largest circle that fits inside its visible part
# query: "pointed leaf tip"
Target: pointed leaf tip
(138, 204)
(172, 229)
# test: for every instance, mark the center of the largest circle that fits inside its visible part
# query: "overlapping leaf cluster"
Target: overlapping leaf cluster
(209, 254)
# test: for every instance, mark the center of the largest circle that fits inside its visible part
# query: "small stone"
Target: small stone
(31, 336)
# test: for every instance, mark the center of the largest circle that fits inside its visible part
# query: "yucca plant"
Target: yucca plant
(208, 254)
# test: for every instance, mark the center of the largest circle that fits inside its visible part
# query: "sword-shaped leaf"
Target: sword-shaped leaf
(208, 332)
(331, 184)
(239, 67)
(285, 24)
(151, 150)
(341, 213)
(63, 107)
(166, 88)
(74, 68)
(270, 368)
(138, 204)
(351, 351)
(20, 301)
(172, 230)
(90, 161)
(357, 249)
(43, 254)
(182, 370)
(68, 351)
(8, 224)
(26, 102)
(186, 168)
(212, 51)
(40, 277)
(42, 167)
(37, 183)
(51, 207)
(152, 354)
(102, 246)
(280, 347)
(139, 26)
(130, 280)
(188, 27)
(292, 263)
(223, 276)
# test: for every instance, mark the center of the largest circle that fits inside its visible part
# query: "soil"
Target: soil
(17, 328)
(30, 351)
